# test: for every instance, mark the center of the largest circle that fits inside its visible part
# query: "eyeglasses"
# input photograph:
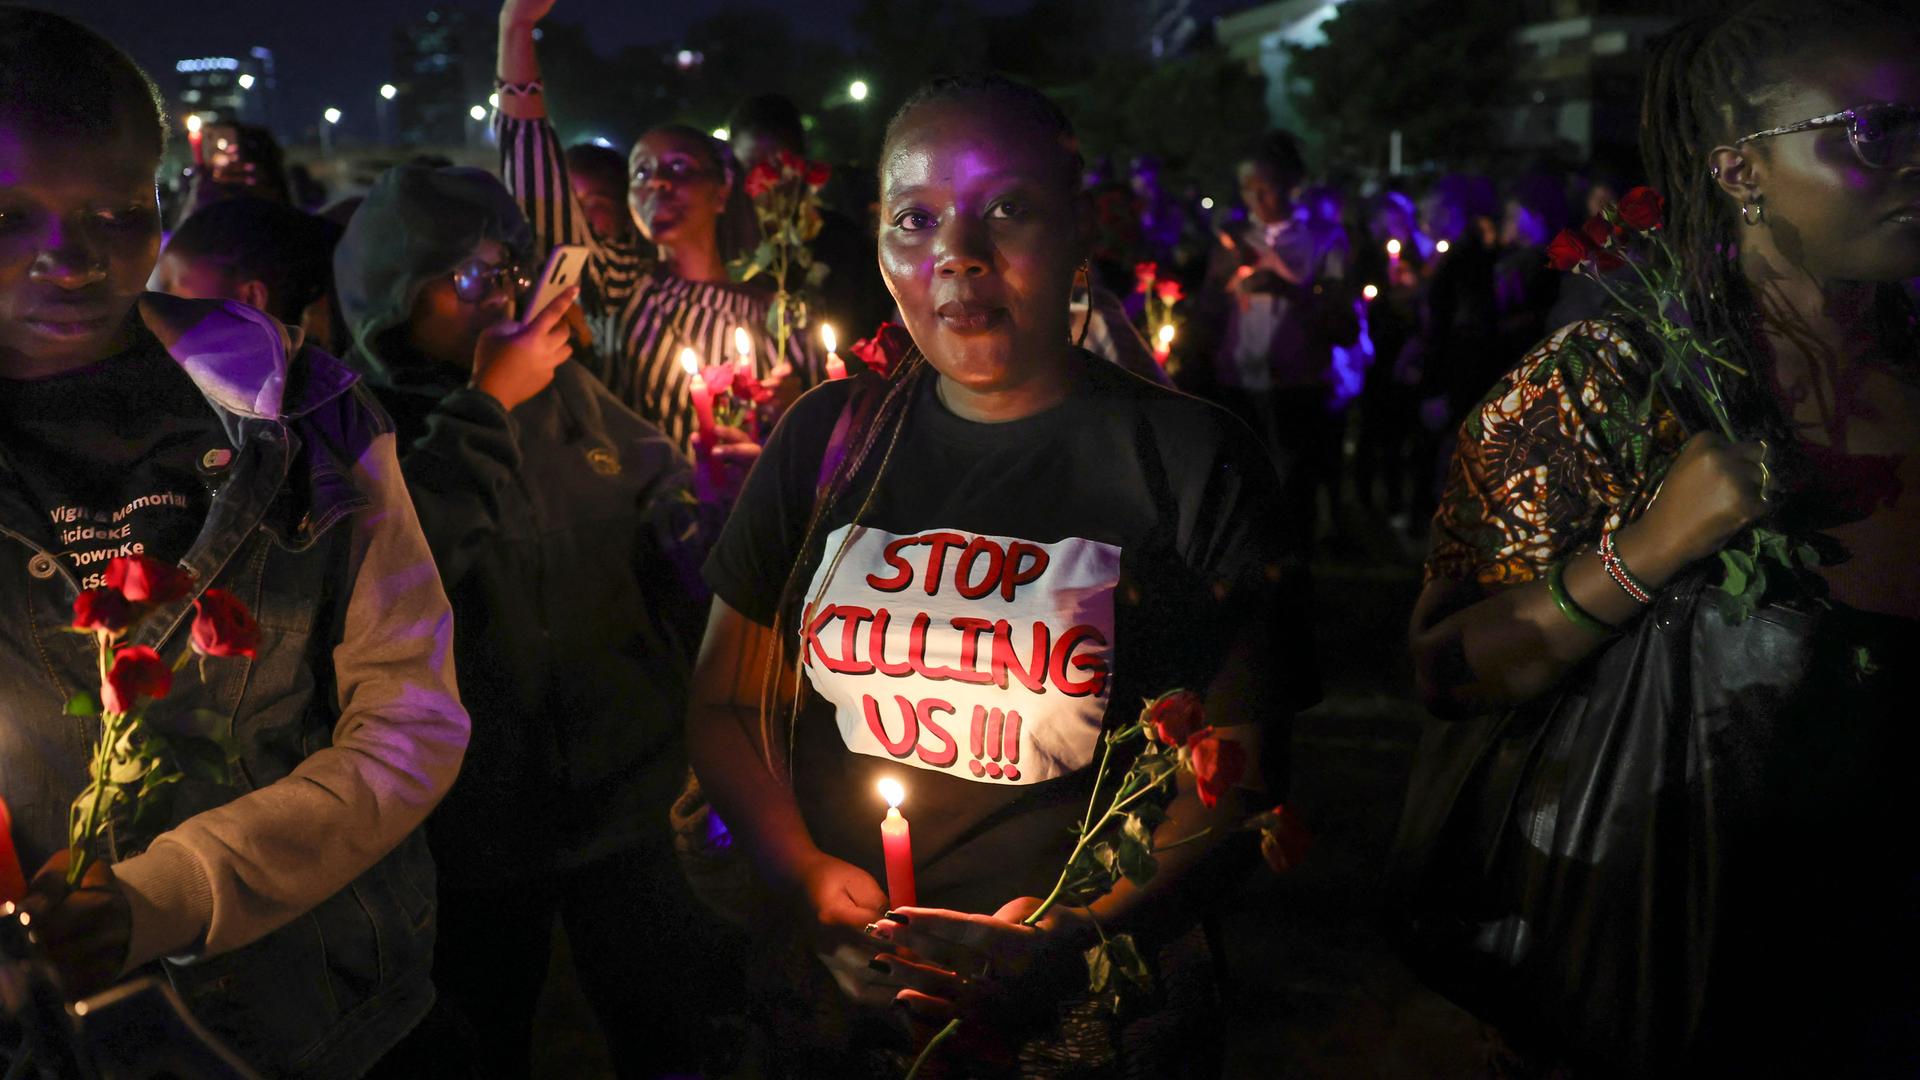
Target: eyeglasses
(1882, 135)
(678, 170)
(477, 279)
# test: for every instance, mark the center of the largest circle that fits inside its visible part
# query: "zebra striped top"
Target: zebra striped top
(642, 315)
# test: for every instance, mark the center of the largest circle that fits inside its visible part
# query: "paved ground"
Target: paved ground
(1316, 992)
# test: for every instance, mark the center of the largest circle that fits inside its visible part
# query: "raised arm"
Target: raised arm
(533, 165)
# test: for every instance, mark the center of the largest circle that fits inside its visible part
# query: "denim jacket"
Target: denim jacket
(295, 906)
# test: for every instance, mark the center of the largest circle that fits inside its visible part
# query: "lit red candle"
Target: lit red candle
(193, 139)
(897, 844)
(836, 367)
(13, 883)
(743, 348)
(700, 392)
(1163, 344)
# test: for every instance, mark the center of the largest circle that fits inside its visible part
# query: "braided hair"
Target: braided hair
(881, 431)
(1709, 81)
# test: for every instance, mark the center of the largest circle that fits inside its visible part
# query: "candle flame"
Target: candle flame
(742, 343)
(1370, 292)
(194, 122)
(891, 791)
(690, 361)
(1393, 247)
(826, 337)
(1442, 247)
(1166, 336)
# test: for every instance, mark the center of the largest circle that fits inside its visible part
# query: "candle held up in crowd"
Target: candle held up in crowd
(194, 135)
(700, 393)
(1163, 343)
(896, 843)
(836, 367)
(743, 348)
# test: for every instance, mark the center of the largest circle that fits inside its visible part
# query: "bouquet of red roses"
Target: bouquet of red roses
(786, 202)
(139, 756)
(1688, 365)
(1116, 838)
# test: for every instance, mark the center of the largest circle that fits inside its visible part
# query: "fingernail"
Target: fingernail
(896, 916)
(880, 965)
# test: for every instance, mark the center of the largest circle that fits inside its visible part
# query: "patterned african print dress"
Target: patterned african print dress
(1566, 445)
(642, 316)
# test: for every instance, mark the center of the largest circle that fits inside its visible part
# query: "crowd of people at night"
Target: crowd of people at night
(578, 577)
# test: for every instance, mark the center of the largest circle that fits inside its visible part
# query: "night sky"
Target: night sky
(338, 52)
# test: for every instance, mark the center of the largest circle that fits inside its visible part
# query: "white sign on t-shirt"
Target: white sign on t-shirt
(987, 658)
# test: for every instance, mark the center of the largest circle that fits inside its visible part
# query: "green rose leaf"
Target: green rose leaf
(1737, 575)
(1136, 861)
(1127, 963)
(82, 704)
(1099, 967)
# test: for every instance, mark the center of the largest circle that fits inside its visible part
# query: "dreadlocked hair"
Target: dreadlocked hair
(1707, 85)
(1021, 99)
(887, 422)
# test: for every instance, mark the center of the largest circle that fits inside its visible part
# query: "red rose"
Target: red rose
(137, 672)
(884, 350)
(1568, 250)
(145, 580)
(818, 173)
(222, 626)
(1170, 292)
(1217, 763)
(1174, 718)
(749, 389)
(1284, 840)
(1642, 209)
(761, 179)
(1599, 232)
(1608, 259)
(1144, 274)
(102, 609)
(792, 164)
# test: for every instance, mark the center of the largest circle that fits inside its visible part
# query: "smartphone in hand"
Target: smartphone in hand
(564, 267)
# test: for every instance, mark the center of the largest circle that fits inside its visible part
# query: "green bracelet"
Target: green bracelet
(1577, 615)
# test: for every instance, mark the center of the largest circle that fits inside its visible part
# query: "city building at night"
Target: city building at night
(228, 89)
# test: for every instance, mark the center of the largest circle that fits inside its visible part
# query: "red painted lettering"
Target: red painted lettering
(850, 664)
(903, 571)
(877, 647)
(1017, 575)
(970, 631)
(1034, 675)
(1063, 658)
(950, 750)
(996, 562)
(909, 738)
(938, 543)
(810, 635)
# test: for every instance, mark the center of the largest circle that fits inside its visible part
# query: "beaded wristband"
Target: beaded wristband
(1617, 570)
(1577, 615)
(520, 89)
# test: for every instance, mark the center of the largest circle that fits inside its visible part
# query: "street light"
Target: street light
(332, 117)
(245, 81)
(857, 90)
(387, 90)
(478, 112)
(493, 101)
(723, 134)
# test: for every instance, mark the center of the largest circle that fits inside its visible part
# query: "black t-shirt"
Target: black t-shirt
(115, 456)
(1012, 590)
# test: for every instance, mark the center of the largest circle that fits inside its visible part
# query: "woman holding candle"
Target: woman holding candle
(645, 303)
(1015, 537)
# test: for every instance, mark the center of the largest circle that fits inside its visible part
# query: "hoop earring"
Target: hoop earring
(1085, 273)
(1753, 213)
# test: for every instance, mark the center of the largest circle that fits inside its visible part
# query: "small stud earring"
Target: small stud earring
(1714, 172)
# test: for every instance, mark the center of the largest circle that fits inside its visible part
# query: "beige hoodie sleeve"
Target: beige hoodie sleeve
(228, 876)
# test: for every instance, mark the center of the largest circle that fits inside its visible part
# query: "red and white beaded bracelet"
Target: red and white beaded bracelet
(1617, 570)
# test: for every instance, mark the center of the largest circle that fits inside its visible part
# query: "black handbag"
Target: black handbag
(1642, 868)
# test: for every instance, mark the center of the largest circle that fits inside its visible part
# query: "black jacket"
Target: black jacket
(569, 544)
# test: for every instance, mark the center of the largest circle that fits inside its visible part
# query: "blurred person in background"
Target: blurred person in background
(267, 255)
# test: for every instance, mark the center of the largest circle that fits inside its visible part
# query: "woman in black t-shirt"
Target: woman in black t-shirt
(1008, 526)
